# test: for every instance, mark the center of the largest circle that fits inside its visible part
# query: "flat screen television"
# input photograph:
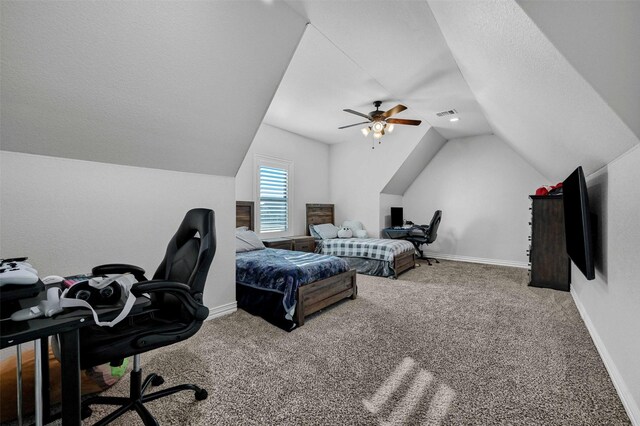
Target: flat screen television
(577, 223)
(397, 217)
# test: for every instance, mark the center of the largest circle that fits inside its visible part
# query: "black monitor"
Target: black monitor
(577, 223)
(397, 218)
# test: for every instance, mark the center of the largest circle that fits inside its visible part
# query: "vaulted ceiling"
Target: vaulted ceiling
(185, 85)
(532, 96)
(560, 93)
(354, 53)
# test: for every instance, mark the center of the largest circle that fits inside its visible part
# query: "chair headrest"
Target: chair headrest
(197, 222)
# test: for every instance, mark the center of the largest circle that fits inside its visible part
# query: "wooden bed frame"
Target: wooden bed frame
(325, 213)
(316, 295)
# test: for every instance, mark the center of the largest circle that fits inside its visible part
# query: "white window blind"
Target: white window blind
(274, 199)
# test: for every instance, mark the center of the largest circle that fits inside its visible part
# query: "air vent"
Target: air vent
(446, 113)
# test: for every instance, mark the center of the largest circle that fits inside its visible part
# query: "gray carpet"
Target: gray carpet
(454, 343)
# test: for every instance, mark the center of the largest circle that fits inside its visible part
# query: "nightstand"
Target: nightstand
(304, 243)
(283, 243)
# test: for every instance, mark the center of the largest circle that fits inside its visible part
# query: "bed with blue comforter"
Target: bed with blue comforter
(267, 280)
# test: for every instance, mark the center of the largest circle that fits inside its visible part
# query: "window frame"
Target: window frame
(261, 160)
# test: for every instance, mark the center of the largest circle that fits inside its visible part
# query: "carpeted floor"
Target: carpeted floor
(454, 343)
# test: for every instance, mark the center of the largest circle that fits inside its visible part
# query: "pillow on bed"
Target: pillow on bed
(354, 225)
(313, 233)
(242, 228)
(247, 241)
(326, 231)
(361, 234)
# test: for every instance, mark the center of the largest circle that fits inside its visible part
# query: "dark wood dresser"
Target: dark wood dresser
(550, 264)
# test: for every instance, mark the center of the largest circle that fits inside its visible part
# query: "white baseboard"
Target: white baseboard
(498, 262)
(218, 311)
(631, 406)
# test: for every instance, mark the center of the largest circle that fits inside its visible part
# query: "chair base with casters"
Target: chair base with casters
(138, 396)
(417, 245)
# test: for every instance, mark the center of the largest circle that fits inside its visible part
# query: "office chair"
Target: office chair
(425, 234)
(176, 313)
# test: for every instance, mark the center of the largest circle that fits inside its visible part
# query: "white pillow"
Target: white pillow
(345, 233)
(326, 230)
(242, 228)
(354, 225)
(361, 234)
(314, 234)
(247, 241)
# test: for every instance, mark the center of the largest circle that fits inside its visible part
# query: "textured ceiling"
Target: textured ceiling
(185, 85)
(532, 96)
(353, 55)
(602, 42)
(172, 85)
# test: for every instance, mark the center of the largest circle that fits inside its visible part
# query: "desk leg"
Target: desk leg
(19, 382)
(70, 353)
(46, 382)
(38, 372)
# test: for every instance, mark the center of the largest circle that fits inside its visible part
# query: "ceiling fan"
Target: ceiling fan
(380, 121)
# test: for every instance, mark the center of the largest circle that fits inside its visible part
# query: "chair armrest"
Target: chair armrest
(418, 228)
(120, 268)
(181, 291)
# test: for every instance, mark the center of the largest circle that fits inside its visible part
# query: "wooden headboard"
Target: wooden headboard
(244, 214)
(319, 213)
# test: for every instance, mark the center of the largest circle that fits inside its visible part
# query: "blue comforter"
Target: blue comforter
(283, 271)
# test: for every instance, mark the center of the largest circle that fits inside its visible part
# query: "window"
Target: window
(273, 195)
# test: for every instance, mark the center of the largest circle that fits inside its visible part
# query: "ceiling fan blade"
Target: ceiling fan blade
(368, 117)
(351, 125)
(393, 111)
(403, 121)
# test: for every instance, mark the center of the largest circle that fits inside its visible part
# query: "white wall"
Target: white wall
(310, 170)
(358, 173)
(482, 187)
(386, 202)
(610, 304)
(70, 215)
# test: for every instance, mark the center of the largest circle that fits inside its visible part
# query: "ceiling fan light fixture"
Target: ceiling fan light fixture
(390, 128)
(377, 135)
(378, 126)
(365, 131)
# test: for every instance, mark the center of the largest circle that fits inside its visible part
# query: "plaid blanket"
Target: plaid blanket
(369, 248)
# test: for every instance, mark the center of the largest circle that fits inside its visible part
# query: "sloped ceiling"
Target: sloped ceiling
(602, 42)
(318, 84)
(415, 163)
(357, 52)
(531, 95)
(171, 85)
(185, 85)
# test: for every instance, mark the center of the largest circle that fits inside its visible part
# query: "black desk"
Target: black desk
(67, 324)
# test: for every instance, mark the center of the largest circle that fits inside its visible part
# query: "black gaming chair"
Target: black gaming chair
(425, 234)
(176, 313)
